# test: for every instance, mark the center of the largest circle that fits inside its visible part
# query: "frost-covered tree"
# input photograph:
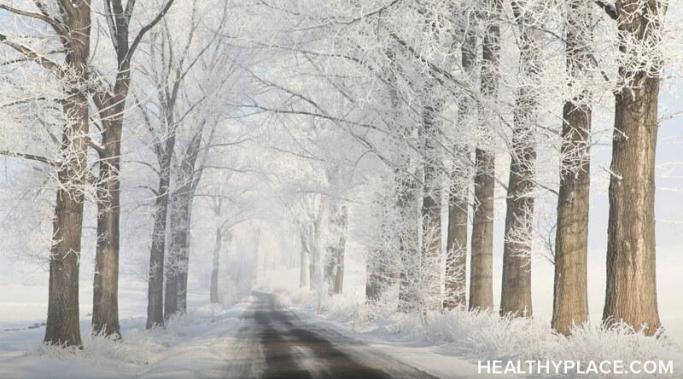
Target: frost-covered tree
(631, 294)
(60, 44)
(516, 286)
(110, 99)
(570, 300)
(481, 261)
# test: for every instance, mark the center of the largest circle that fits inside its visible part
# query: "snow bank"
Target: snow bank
(196, 344)
(483, 336)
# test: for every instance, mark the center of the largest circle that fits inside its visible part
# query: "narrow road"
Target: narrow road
(277, 344)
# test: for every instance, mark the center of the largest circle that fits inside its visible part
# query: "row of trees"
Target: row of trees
(417, 101)
(160, 78)
(631, 246)
(438, 92)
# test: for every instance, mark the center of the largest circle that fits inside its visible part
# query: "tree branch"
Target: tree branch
(30, 157)
(56, 25)
(148, 27)
(32, 55)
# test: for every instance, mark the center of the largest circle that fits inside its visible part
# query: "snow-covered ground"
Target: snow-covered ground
(203, 343)
(196, 345)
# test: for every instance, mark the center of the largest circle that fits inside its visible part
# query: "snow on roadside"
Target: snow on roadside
(195, 345)
(450, 344)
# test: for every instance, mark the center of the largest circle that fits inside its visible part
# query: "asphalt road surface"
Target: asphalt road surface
(274, 343)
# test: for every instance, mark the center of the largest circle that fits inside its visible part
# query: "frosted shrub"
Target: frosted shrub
(487, 336)
(617, 342)
(138, 348)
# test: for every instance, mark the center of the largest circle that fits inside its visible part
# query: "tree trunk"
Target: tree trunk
(179, 238)
(105, 315)
(430, 278)
(334, 270)
(185, 257)
(408, 247)
(570, 301)
(409, 252)
(175, 295)
(315, 261)
(481, 260)
(63, 327)
(304, 261)
(155, 295)
(215, 268)
(374, 279)
(155, 289)
(379, 260)
(516, 285)
(631, 293)
(456, 247)
(458, 205)
(155, 286)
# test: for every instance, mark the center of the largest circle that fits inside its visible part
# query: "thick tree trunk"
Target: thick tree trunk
(516, 285)
(458, 205)
(481, 259)
(63, 326)
(430, 278)
(334, 270)
(481, 262)
(631, 293)
(105, 315)
(570, 301)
